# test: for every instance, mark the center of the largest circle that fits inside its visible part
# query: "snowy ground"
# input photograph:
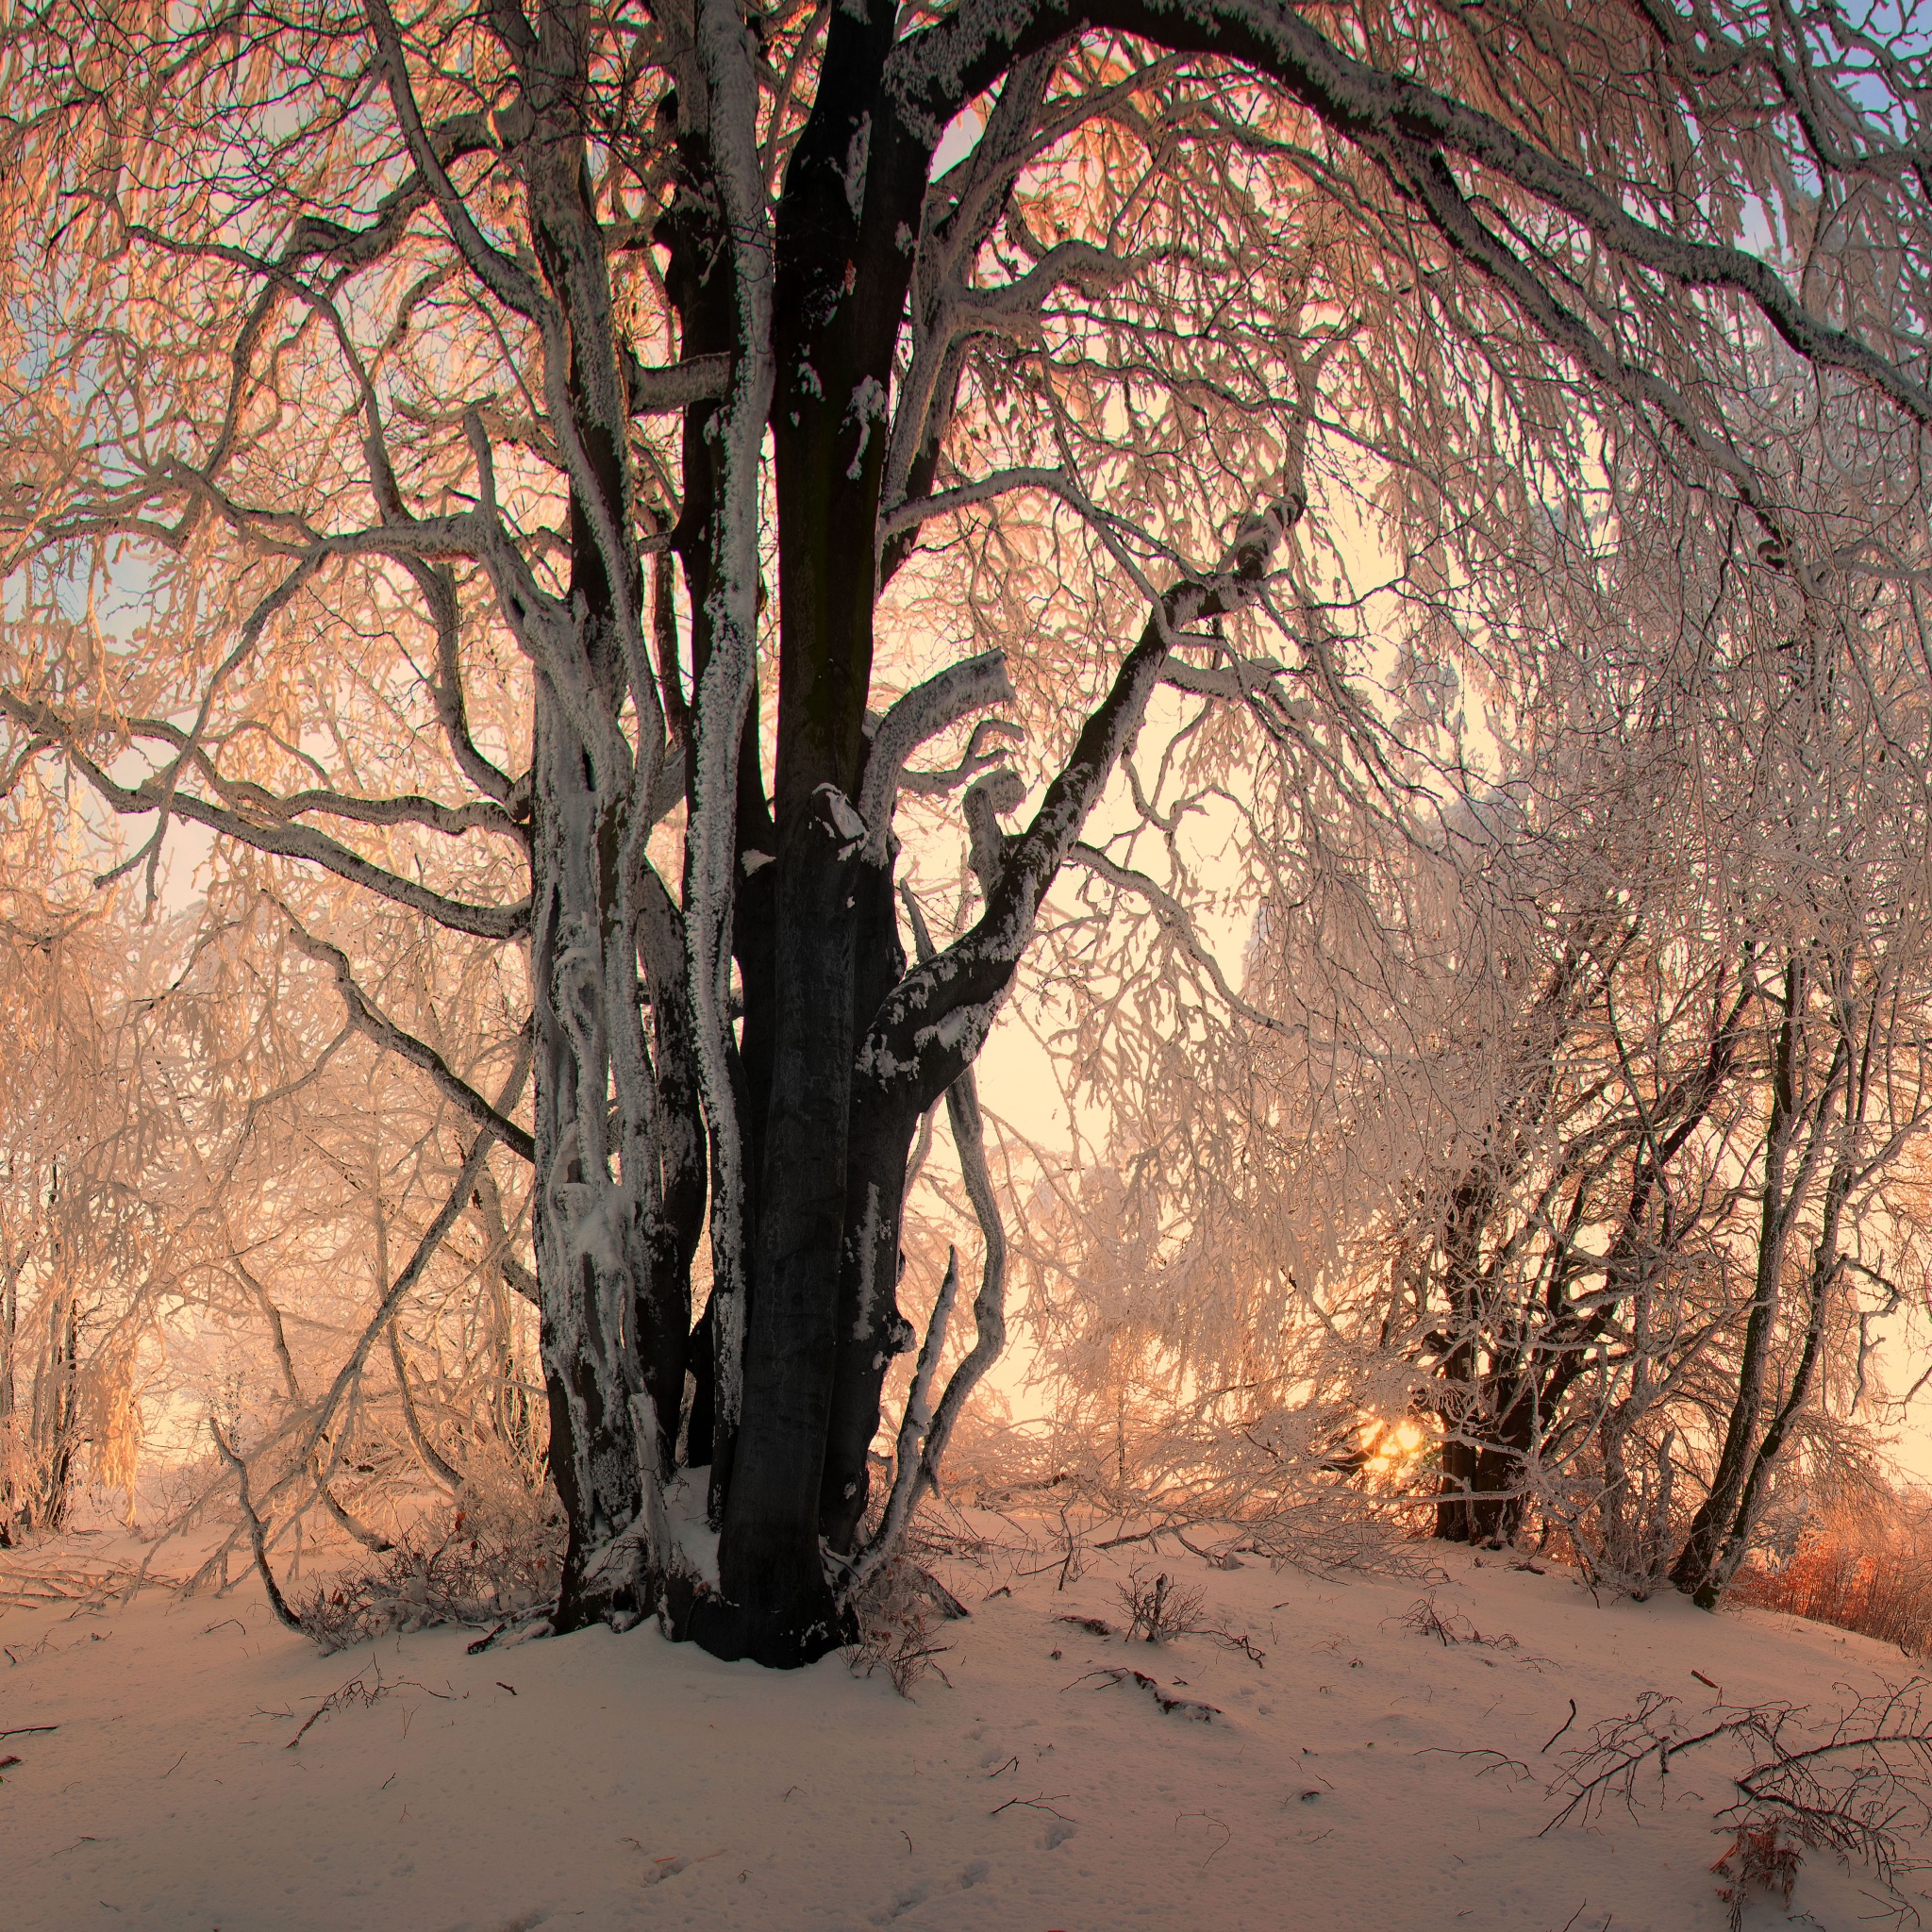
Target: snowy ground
(615, 1781)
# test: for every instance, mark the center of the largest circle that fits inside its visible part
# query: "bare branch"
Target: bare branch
(377, 1026)
(1175, 918)
(257, 1537)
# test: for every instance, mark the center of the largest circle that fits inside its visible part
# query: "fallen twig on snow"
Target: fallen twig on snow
(346, 1695)
(1186, 1707)
(1245, 1643)
(1424, 1619)
(1561, 1727)
(1499, 1760)
(1040, 1804)
(670, 1866)
(1097, 1626)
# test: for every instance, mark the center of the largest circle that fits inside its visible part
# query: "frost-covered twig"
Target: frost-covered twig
(450, 1477)
(1177, 919)
(1860, 1791)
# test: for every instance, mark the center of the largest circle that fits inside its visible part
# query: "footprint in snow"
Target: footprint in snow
(902, 1902)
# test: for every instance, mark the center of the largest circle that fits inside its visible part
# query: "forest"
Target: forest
(769, 773)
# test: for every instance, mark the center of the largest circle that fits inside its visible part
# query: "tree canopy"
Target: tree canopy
(603, 516)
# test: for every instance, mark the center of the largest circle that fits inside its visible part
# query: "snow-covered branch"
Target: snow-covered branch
(1175, 918)
(915, 510)
(284, 840)
(369, 1019)
(983, 751)
(923, 1430)
(723, 690)
(922, 714)
(932, 1025)
(676, 384)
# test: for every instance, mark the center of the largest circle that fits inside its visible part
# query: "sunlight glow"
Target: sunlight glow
(1397, 1450)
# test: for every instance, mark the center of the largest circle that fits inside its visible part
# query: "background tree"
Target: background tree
(1569, 1114)
(91, 1243)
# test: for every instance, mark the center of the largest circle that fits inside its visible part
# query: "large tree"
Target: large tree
(367, 376)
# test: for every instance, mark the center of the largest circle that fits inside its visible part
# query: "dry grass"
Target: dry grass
(491, 1563)
(1760, 1859)
(1864, 1566)
(894, 1616)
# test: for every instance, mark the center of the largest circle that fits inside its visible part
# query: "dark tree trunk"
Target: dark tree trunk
(870, 1330)
(841, 291)
(1697, 1570)
(1454, 1508)
(1460, 1368)
(775, 1604)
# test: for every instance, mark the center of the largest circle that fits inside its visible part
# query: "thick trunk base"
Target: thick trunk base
(1695, 1572)
(797, 1629)
(780, 1639)
(1480, 1500)
(616, 1597)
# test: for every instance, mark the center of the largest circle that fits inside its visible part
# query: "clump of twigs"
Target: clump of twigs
(1426, 1619)
(1859, 1787)
(1160, 1609)
(893, 1615)
(478, 1568)
(1760, 1859)
(358, 1689)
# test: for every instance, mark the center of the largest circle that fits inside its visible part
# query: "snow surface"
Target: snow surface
(602, 1781)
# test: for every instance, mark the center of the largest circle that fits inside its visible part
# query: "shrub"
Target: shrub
(894, 1614)
(1865, 1566)
(1158, 1611)
(487, 1563)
